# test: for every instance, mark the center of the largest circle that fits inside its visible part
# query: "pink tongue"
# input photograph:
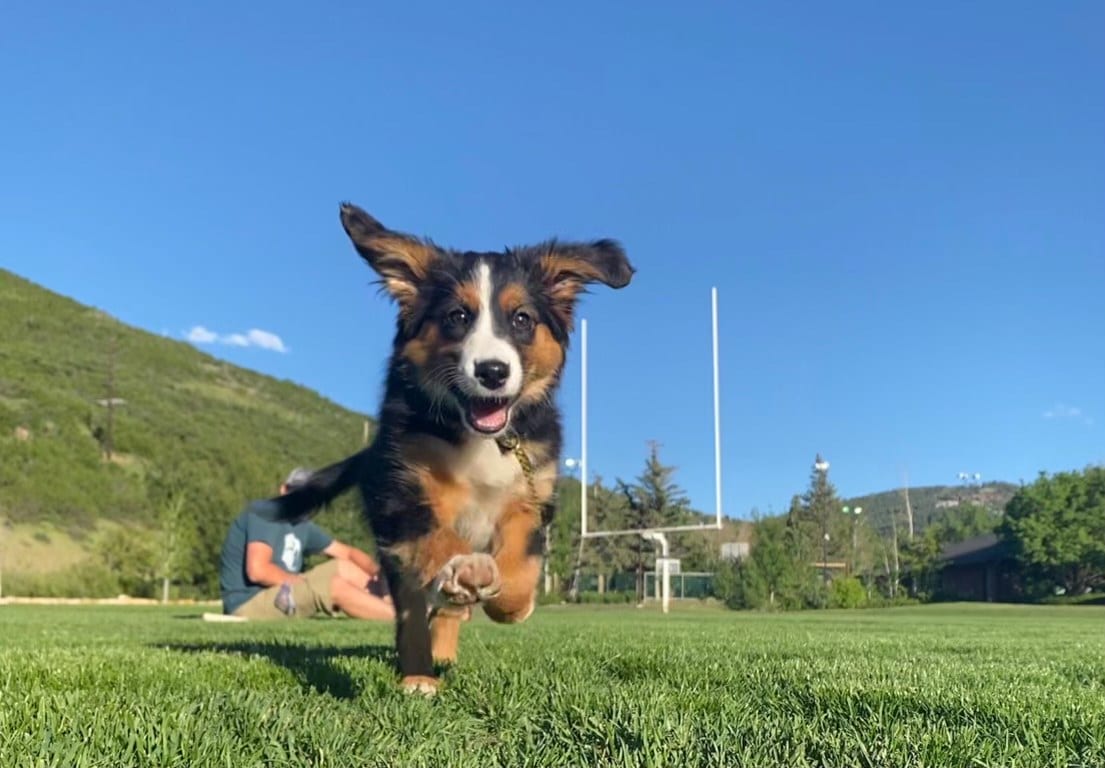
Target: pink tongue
(488, 417)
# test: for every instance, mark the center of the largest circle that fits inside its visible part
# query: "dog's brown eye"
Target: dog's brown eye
(458, 318)
(523, 321)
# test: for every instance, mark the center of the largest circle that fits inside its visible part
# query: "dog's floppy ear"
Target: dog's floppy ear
(401, 261)
(567, 268)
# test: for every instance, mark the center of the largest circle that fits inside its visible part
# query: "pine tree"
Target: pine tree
(821, 513)
(654, 501)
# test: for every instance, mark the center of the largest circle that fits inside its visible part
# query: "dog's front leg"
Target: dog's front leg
(519, 553)
(435, 571)
(412, 630)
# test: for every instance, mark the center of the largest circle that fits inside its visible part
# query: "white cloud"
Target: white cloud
(1064, 412)
(266, 340)
(200, 335)
(252, 338)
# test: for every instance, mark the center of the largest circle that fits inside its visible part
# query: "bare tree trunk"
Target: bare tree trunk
(897, 564)
(165, 590)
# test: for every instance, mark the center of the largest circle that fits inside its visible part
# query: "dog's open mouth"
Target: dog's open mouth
(488, 414)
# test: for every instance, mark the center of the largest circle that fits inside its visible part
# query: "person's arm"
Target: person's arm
(262, 570)
(362, 560)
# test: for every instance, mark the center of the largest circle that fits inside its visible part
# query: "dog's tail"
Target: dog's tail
(321, 488)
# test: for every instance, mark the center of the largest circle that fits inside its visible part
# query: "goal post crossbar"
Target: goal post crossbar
(643, 531)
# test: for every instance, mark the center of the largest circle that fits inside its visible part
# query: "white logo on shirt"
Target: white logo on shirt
(293, 551)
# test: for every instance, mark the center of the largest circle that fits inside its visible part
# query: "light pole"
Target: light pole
(969, 480)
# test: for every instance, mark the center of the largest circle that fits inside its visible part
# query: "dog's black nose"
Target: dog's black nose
(492, 373)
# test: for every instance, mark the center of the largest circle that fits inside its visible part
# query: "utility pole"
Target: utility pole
(111, 400)
(110, 396)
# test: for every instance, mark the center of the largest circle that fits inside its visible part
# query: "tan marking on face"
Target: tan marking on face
(512, 297)
(424, 347)
(468, 293)
(544, 355)
(543, 359)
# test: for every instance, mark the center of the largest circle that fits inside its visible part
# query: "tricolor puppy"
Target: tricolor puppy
(459, 481)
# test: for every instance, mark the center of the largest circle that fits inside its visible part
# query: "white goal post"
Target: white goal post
(656, 535)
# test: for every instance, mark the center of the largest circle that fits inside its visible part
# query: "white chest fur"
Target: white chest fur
(492, 476)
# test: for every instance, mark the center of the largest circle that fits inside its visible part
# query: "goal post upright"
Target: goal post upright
(653, 534)
(717, 415)
(583, 428)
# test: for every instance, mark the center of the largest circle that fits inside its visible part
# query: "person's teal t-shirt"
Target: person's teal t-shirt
(290, 544)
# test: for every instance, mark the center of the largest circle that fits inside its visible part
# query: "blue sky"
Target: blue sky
(903, 209)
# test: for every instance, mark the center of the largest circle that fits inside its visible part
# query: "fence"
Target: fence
(687, 585)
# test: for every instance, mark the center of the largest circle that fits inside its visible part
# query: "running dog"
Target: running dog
(459, 480)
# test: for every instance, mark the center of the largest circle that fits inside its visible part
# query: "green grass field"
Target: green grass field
(931, 686)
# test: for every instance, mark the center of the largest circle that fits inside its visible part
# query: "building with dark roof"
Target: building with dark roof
(982, 568)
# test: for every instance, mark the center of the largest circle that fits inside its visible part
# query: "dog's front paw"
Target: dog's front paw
(467, 579)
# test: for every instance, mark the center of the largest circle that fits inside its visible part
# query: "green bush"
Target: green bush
(607, 598)
(76, 581)
(847, 592)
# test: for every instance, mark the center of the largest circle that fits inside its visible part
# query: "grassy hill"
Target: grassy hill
(188, 423)
(930, 504)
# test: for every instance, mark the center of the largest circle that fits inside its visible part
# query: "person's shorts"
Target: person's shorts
(312, 596)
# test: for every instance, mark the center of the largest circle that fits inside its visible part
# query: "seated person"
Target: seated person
(260, 569)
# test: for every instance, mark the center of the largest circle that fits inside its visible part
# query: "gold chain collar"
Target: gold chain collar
(510, 442)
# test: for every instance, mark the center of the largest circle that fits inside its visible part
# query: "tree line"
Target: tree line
(821, 554)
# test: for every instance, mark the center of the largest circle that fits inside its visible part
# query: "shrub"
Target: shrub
(76, 581)
(847, 592)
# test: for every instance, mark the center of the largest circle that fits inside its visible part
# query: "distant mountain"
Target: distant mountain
(929, 503)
